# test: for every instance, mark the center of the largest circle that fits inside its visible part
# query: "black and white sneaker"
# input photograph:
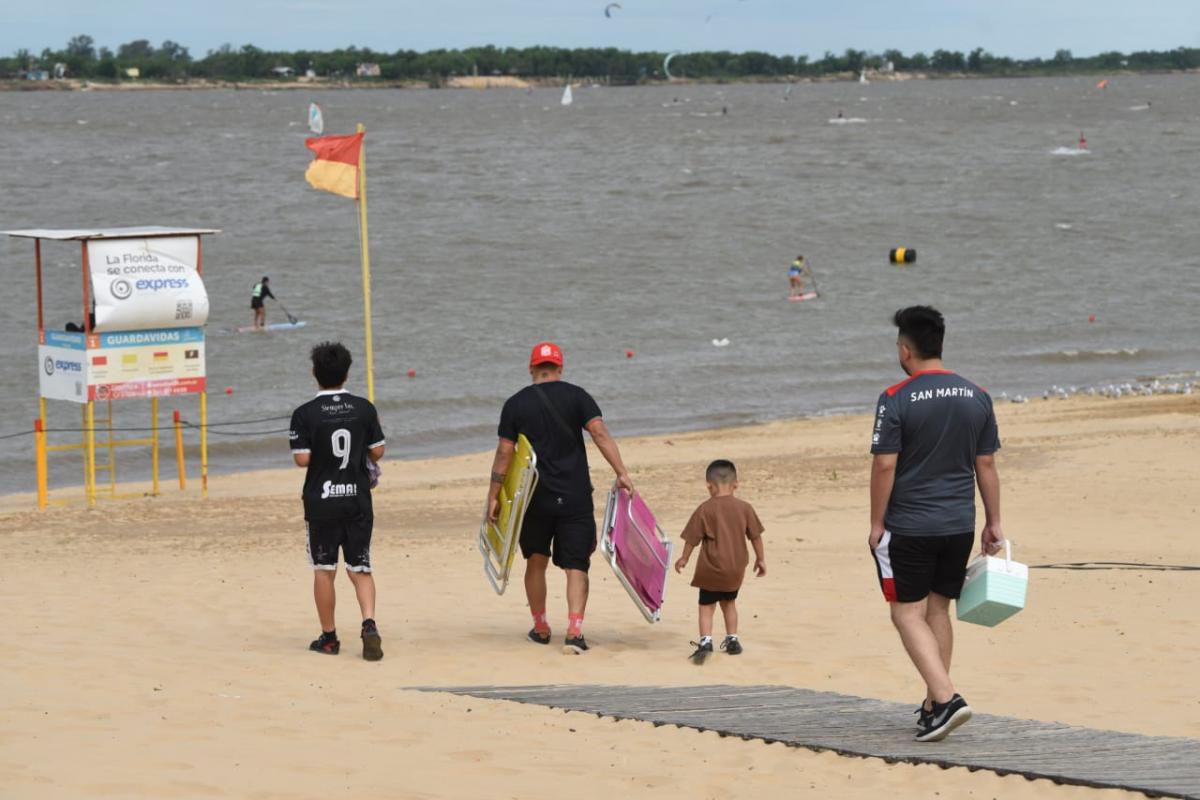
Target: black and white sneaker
(704, 649)
(372, 641)
(575, 646)
(921, 713)
(732, 646)
(938, 723)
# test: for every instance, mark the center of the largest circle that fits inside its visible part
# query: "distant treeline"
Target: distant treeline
(173, 62)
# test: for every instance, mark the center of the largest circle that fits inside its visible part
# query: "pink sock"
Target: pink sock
(540, 623)
(574, 625)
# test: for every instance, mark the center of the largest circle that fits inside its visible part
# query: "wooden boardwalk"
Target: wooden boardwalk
(1157, 766)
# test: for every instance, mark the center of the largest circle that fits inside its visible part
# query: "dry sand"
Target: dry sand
(156, 648)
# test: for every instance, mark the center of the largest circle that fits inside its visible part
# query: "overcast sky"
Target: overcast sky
(1020, 28)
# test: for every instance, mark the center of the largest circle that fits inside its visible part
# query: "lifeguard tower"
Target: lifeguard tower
(141, 335)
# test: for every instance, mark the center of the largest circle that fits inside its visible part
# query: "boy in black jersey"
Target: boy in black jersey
(337, 438)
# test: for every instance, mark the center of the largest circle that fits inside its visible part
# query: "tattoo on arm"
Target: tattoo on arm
(497, 477)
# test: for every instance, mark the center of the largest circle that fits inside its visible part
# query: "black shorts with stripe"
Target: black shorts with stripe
(910, 567)
(351, 536)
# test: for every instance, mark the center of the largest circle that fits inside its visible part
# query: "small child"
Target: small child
(721, 526)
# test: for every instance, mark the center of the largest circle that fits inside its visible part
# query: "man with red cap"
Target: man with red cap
(559, 524)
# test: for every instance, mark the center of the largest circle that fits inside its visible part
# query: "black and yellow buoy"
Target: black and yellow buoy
(902, 255)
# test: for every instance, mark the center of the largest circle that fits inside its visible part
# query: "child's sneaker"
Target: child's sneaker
(704, 649)
(732, 646)
(372, 642)
(326, 643)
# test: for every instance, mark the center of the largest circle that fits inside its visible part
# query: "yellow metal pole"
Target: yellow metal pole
(112, 455)
(365, 250)
(39, 439)
(204, 444)
(90, 453)
(179, 453)
(42, 421)
(83, 426)
(154, 447)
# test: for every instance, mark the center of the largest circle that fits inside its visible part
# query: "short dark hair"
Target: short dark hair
(924, 328)
(721, 471)
(331, 364)
(265, 278)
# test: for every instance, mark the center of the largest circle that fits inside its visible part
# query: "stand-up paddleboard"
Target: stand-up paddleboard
(498, 540)
(273, 326)
(799, 298)
(638, 551)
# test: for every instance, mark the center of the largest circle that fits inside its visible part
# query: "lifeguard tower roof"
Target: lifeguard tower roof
(81, 234)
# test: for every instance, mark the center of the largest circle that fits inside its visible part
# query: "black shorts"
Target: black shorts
(910, 567)
(353, 536)
(707, 598)
(256, 303)
(568, 537)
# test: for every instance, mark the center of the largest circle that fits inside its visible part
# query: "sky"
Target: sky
(1018, 28)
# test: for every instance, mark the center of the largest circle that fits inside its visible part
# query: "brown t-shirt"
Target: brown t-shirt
(721, 526)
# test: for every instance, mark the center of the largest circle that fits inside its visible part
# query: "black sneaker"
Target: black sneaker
(938, 723)
(703, 651)
(921, 713)
(732, 646)
(372, 643)
(538, 638)
(575, 645)
(327, 644)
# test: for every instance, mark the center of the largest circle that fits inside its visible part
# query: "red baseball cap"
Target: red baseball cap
(546, 353)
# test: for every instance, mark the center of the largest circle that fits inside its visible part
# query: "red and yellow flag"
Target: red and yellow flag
(335, 168)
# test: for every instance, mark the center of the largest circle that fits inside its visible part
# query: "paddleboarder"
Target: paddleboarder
(559, 525)
(796, 274)
(260, 292)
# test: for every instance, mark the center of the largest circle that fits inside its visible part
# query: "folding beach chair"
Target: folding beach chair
(498, 541)
(638, 551)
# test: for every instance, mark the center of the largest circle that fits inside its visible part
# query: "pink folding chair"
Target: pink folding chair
(638, 551)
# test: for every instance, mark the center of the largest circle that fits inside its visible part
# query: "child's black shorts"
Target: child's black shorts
(353, 536)
(707, 598)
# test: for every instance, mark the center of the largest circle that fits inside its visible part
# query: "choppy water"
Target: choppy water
(638, 219)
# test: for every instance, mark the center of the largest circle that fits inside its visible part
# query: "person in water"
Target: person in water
(796, 275)
(261, 291)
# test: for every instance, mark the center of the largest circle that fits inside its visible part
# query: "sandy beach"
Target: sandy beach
(157, 648)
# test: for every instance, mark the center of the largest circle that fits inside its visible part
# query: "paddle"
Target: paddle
(291, 318)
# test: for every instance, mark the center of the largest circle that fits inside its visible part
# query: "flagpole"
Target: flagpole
(364, 250)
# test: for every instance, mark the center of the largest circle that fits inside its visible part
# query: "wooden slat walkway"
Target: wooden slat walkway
(1155, 765)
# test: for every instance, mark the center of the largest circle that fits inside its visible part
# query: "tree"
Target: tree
(948, 61)
(174, 52)
(82, 47)
(136, 50)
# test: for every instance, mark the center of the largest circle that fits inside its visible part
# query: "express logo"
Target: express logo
(121, 289)
(159, 284)
(52, 365)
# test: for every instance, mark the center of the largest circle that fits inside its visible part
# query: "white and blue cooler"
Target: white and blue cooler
(994, 589)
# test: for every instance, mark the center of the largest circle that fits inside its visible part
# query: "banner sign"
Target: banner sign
(63, 374)
(139, 284)
(121, 364)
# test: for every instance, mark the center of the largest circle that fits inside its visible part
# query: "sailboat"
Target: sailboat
(567, 98)
(862, 76)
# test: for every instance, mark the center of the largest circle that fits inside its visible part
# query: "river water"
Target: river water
(639, 220)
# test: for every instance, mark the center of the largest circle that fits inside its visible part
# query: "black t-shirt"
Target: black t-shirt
(563, 479)
(938, 422)
(337, 429)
